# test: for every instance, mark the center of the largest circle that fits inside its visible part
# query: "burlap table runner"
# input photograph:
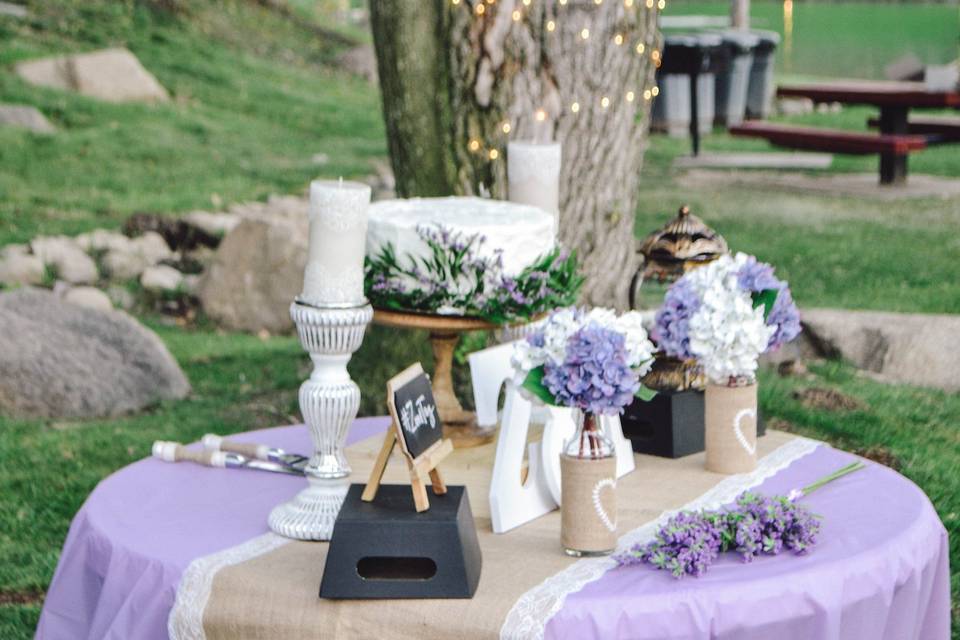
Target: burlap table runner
(275, 595)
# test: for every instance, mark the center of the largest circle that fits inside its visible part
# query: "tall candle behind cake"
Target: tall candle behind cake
(533, 175)
(338, 233)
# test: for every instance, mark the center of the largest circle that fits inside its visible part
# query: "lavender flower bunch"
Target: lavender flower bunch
(589, 361)
(458, 277)
(755, 525)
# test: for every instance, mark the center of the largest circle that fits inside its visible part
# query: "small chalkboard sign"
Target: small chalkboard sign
(417, 413)
(417, 429)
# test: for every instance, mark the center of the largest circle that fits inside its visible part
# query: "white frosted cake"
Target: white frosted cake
(523, 233)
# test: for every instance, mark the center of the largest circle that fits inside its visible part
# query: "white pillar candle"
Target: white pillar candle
(533, 175)
(338, 236)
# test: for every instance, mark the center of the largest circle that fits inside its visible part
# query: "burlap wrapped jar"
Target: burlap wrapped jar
(730, 426)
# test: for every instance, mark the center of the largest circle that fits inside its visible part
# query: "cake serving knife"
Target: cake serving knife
(176, 452)
(213, 442)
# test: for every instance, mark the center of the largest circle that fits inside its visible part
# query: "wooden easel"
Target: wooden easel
(423, 464)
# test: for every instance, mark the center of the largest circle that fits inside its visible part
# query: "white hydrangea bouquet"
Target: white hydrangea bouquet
(725, 314)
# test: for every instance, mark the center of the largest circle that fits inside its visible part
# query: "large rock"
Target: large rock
(257, 272)
(70, 261)
(910, 348)
(25, 117)
(114, 75)
(63, 360)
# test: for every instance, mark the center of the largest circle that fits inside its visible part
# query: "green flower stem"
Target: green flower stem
(839, 473)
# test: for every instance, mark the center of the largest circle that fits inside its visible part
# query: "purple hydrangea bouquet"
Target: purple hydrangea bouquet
(724, 315)
(589, 361)
(459, 278)
(754, 525)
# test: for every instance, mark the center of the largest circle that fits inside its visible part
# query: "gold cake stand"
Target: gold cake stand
(459, 424)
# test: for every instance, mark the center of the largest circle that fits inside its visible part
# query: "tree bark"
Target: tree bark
(491, 70)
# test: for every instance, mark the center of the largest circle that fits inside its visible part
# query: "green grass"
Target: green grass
(255, 96)
(848, 39)
(254, 99)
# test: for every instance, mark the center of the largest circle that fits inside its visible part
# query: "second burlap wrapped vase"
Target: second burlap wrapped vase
(589, 510)
(731, 428)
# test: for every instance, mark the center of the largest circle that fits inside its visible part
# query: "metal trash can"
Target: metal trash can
(760, 91)
(683, 56)
(733, 81)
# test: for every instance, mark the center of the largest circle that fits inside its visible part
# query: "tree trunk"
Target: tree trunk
(494, 74)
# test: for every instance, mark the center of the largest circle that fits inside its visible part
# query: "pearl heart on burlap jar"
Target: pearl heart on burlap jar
(730, 428)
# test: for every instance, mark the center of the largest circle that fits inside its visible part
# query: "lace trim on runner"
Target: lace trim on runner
(529, 616)
(186, 617)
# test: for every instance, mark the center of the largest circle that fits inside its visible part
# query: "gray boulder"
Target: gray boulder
(256, 273)
(25, 117)
(911, 348)
(114, 75)
(61, 360)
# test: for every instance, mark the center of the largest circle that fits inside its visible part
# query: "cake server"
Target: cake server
(213, 442)
(176, 452)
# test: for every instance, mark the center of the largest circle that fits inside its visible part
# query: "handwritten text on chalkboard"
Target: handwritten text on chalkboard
(416, 414)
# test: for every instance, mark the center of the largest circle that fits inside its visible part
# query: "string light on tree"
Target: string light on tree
(585, 33)
(575, 107)
(505, 127)
(655, 91)
(604, 102)
(551, 25)
(516, 15)
(649, 4)
(494, 154)
(481, 8)
(618, 39)
(474, 145)
(540, 115)
(647, 94)
(630, 96)
(640, 48)
(661, 4)
(628, 3)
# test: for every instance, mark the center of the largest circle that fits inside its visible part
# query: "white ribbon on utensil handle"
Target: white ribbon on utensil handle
(176, 452)
(214, 442)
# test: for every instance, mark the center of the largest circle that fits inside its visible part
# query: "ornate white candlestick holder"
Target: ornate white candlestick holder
(329, 401)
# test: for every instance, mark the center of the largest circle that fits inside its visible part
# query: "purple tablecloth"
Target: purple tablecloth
(142, 526)
(880, 570)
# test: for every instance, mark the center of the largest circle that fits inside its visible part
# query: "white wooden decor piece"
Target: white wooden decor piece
(512, 501)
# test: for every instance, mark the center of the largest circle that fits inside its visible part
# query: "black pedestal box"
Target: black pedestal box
(670, 425)
(385, 549)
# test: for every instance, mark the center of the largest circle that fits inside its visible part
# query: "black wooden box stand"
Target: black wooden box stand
(385, 549)
(670, 425)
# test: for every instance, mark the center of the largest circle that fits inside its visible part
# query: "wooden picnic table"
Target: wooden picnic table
(894, 100)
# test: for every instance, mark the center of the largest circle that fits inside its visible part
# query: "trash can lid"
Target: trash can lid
(740, 41)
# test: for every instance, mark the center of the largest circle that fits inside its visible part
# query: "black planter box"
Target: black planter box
(670, 425)
(385, 549)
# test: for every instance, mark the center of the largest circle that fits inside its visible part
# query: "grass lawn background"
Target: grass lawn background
(256, 97)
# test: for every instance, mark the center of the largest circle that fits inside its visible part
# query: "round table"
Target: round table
(880, 570)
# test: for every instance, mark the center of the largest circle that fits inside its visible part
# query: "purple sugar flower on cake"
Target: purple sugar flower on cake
(594, 375)
(671, 329)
